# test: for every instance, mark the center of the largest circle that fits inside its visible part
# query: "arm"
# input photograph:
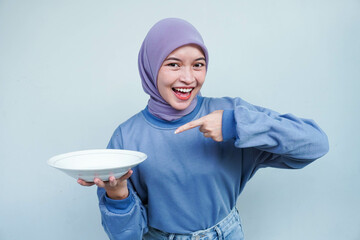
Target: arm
(285, 138)
(122, 219)
(282, 141)
(272, 132)
(126, 218)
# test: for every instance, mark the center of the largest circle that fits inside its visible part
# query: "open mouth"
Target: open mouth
(183, 93)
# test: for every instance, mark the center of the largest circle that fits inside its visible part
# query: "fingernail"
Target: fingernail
(176, 131)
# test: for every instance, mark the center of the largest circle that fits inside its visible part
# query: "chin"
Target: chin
(181, 106)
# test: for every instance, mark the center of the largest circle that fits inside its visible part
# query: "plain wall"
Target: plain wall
(68, 78)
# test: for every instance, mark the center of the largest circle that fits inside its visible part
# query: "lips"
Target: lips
(183, 93)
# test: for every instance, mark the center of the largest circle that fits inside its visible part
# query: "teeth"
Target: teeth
(185, 90)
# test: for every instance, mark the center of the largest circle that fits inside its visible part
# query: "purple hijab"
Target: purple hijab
(163, 38)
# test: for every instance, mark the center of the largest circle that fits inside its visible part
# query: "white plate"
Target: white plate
(97, 163)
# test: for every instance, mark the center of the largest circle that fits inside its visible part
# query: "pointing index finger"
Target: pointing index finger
(189, 125)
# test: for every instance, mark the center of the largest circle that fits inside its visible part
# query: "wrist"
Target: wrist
(120, 206)
(118, 195)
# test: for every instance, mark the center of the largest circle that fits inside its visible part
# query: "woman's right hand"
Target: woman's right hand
(115, 188)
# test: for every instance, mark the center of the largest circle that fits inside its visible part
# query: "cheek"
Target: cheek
(201, 78)
(163, 89)
(165, 78)
(161, 81)
(164, 83)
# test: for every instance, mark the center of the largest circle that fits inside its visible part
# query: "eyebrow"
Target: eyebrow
(202, 58)
(177, 59)
(172, 58)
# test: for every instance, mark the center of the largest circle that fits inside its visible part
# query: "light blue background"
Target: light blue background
(68, 77)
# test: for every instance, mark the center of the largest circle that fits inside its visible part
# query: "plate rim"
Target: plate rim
(52, 161)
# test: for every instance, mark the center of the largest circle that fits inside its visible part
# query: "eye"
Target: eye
(173, 65)
(199, 65)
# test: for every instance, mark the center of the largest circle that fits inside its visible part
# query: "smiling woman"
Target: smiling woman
(189, 185)
(161, 42)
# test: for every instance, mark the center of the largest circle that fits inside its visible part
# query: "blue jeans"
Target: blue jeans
(227, 229)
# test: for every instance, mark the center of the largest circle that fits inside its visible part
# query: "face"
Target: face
(181, 76)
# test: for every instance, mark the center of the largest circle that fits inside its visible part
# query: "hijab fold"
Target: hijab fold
(162, 39)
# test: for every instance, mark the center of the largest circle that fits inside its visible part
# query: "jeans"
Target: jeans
(227, 229)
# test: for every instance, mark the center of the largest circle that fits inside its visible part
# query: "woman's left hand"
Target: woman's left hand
(210, 125)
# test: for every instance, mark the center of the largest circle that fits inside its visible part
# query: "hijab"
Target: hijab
(162, 39)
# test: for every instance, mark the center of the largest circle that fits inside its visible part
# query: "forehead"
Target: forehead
(188, 50)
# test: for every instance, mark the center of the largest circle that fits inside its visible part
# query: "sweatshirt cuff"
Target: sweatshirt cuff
(228, 125)
(120, 206)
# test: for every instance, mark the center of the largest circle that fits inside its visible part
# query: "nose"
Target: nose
(187, 75)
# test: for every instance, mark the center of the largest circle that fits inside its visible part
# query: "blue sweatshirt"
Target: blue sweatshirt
(189, 182)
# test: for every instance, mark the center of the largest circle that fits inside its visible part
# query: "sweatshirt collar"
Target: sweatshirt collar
(176, 123)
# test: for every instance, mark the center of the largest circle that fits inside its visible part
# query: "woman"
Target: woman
(189, 185)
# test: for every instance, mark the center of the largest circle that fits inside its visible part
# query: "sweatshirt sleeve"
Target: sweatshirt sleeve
(122, 219)
(289, 141)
